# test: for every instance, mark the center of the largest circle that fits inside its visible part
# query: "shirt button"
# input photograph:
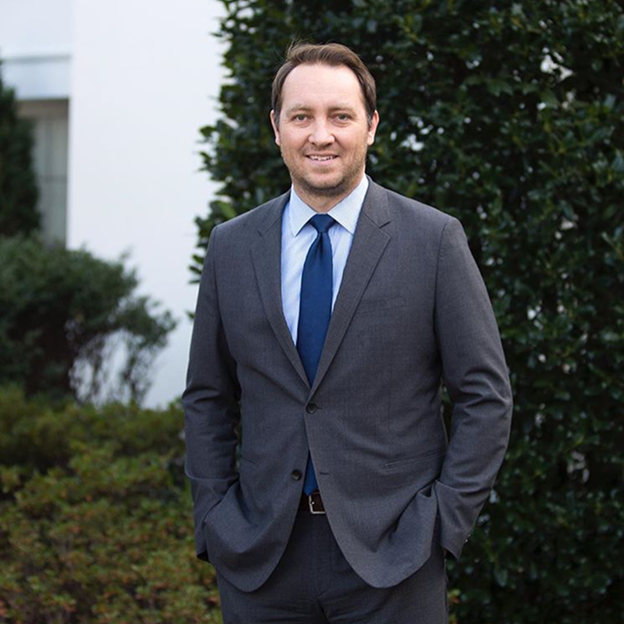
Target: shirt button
(296, 475)
(311, 408)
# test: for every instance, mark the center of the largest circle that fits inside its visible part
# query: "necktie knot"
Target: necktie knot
(322, 222)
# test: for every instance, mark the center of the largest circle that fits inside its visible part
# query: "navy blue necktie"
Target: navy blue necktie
(315, 311)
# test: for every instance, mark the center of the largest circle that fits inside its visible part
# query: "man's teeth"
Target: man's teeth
(321, 157)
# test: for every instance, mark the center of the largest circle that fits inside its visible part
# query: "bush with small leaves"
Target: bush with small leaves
(96, 518)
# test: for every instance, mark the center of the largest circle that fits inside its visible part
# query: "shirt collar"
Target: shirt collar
(346, 212)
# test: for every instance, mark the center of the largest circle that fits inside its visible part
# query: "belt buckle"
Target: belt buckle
(311, 506)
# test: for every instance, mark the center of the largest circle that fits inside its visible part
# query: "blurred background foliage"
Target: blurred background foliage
(63, 313)
(509, 116)
(95, 513)
(95, 517)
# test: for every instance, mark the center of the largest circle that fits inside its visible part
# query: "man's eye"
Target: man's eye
(342, 117)
(300, 117)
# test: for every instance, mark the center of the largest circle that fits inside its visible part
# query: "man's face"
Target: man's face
(323, 131)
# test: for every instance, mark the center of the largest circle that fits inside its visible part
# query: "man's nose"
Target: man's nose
(321, 133)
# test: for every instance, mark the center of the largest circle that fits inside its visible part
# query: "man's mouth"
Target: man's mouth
(319, 158)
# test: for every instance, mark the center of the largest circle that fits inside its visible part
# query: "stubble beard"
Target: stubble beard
(341, 188)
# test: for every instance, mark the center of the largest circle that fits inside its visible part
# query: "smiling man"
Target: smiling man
(324, 130)
(327, 320)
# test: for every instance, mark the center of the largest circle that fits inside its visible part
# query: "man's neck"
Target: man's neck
(323, 203)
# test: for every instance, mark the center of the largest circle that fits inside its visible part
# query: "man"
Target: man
(326, 321)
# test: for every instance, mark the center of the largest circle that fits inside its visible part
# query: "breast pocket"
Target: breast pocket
(378, 325)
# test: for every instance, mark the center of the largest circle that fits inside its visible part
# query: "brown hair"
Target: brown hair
(332, 54)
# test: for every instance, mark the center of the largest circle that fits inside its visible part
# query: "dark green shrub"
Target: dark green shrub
(61, 312)
(18, 186)
(509, 116)
(95, 517)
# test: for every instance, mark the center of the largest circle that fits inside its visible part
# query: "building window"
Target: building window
(50, 119)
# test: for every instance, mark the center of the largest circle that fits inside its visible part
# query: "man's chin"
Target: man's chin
(326, 188)
(326, 191)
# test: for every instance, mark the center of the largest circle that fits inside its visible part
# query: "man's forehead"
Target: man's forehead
(309, 85)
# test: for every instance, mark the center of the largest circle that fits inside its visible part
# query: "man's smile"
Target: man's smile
(321, 157)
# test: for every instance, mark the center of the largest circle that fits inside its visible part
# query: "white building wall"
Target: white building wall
(142, 77)
(145, 79)
(35, 47)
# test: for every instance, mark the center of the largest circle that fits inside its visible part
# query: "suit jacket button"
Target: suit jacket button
(296, 475)
(311, 408)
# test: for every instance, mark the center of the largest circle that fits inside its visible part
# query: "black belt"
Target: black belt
(312, 503)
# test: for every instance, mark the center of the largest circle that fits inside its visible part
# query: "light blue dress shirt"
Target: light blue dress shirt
(298, 235)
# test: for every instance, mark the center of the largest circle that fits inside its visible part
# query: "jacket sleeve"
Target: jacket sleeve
(475, 374)
(211, 404)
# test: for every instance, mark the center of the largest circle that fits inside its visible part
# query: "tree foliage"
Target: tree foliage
(62, 315)
(509, 116)
(18, 186)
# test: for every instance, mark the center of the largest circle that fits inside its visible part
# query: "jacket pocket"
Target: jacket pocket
(415, 460)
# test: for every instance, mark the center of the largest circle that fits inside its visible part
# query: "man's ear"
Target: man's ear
(275, 127)
(372, 128)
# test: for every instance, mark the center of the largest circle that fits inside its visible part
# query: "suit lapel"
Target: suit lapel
(369, 243)
(267, 259)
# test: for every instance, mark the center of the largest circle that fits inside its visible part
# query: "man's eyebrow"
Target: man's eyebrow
(343, 107)
(335, 107)
(297, 107)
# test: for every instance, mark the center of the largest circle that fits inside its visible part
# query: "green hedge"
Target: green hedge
(509, 116)
(96, 517)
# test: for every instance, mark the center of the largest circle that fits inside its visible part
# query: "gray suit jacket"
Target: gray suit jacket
(412, 311)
